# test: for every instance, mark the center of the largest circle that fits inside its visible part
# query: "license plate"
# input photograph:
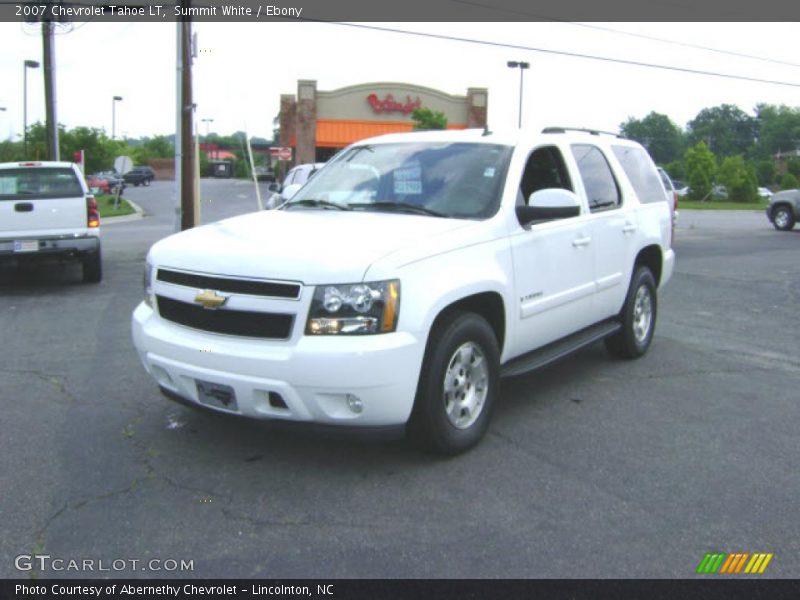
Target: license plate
(26, 245)
(216, 395)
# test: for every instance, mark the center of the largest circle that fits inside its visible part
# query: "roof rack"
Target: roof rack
(589, 131)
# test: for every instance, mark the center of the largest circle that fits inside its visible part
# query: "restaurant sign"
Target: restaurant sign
(389, 104)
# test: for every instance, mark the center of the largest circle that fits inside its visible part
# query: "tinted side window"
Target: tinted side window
(545, 169)
(601, 187)
(640, 170)
(290, 176)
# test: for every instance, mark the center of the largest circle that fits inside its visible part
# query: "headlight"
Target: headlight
(354, 309)
(149, 274)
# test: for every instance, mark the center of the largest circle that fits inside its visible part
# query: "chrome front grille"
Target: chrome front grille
(247, 307)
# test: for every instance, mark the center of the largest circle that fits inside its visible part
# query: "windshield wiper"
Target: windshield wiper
(316, 202)
(400, 206)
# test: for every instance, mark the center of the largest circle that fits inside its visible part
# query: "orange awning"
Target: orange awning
(338, 134)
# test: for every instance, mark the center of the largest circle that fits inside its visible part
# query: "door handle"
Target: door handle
(629, 228)
(23, 207)
(584, 241)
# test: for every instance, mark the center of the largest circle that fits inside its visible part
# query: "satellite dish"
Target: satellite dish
(123, 164)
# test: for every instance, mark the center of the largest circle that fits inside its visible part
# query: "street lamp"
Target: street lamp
(114, 116)
(513, 64)
(207, 121)
(28, 64)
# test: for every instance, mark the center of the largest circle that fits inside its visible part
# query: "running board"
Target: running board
(556, 350)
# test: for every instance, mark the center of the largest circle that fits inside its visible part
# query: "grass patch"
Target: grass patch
(720, 205)
(105, 204)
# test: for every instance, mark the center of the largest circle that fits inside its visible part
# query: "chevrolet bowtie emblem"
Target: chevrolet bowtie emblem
(210, 299)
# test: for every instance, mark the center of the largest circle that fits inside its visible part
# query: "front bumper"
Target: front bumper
(349, 381)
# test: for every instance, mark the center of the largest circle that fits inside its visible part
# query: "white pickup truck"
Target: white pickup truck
(407, 276)
(47, 213)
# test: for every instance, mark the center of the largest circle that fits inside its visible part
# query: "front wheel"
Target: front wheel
(458, 386)
(782, 218)
(638, 317)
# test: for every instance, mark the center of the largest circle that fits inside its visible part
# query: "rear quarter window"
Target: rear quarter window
(641, 172)
(32, 183)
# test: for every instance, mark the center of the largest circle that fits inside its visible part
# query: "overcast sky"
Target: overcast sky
(242, 69)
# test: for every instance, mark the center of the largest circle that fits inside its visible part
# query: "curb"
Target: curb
(125, 218)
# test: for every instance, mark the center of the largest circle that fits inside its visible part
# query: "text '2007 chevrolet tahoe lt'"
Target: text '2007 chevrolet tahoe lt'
(407, 276)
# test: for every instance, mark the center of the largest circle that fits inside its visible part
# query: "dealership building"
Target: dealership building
(318, 123)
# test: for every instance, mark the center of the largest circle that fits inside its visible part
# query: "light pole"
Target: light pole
(207, 121)
(513, 64)
(28, 64)
(114, 116)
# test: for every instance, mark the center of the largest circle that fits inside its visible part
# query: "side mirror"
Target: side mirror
(290, 190)
(548, 205)
(274, 187)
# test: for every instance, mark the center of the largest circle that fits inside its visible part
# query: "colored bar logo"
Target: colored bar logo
(733, 564)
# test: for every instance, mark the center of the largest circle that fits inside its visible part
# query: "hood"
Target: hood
(309, 246)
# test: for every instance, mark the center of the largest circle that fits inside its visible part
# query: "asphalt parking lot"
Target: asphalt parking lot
(593, 467)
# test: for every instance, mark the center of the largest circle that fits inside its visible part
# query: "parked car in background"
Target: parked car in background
(764, 193)
(98, 185)
(47, 212)
(142, 175)
(294, 180)
(784, 209)
(113, 179)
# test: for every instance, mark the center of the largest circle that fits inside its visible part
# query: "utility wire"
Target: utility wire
(628, 33)
(560, 53)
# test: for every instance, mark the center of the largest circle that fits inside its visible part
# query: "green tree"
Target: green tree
(160, 146)
(701, 166)
(656, 132)
(676, 169)
(99, 150)
(739, 178)
(425, 118)
(725, 129)
(778, 131)
(789, 182)
(766, 172)
(793, 167)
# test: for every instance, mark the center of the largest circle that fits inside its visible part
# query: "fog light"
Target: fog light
(354, 403)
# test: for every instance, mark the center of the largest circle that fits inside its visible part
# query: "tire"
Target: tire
(93, 268)
(146, 182)
(457, 386)
(638, 317)
(783, 218)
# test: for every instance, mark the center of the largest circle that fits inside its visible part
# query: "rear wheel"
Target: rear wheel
(93, 268)
(638, 317)
(457, 388)
(782, 218)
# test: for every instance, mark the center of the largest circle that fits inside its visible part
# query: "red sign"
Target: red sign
(281, 152)
(389, 104)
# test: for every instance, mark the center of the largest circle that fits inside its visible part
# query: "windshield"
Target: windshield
(444, 179)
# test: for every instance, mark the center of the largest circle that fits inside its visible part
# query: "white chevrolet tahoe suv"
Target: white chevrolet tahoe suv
(409, 275)
(47, 212)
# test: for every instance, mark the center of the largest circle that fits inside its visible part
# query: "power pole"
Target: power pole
(184, 159)
(48, 47)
